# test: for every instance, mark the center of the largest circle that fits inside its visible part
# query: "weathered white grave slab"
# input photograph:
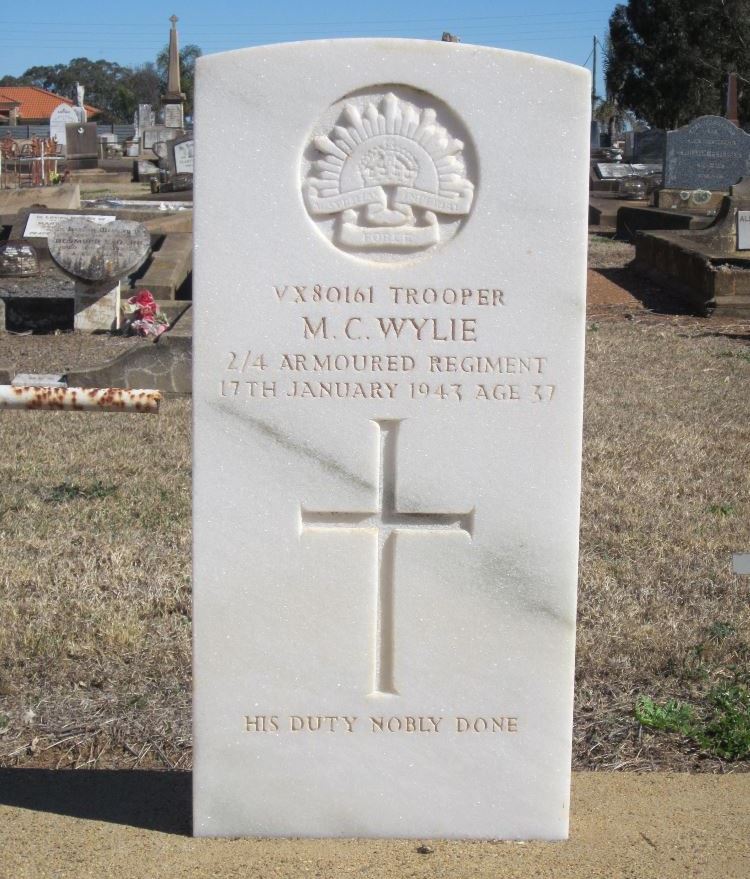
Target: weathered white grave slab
(388, 392)
(42, 225)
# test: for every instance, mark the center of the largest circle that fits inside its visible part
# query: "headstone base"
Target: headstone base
(699, 201)
(82, 164)
(96, 309)
(143, 171)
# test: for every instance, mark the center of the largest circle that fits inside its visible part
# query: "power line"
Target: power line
(432, 22)
(248, 45)
(254, 32)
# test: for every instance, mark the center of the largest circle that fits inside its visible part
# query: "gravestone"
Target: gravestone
(82, 146)
(181, 155)
(710, 153)
(157, 133)
(595, 135)
(173, 116)
(648, 146)
(160, 150)
(18, 260)
(144, 170)
(62, 116)
(629, 142)
(388, 404)
(741, 563)
(42, 225)
(743, 230)
(98, 255)
(621, 170)
(174, 98)
(146, 118)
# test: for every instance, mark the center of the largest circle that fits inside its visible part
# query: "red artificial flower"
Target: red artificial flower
(145, 297)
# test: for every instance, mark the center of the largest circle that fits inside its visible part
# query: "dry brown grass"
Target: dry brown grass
(605, 252)
(95, 560)
(95, 586)
(665, 503)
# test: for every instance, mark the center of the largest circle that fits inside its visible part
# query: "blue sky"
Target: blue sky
(134, 32)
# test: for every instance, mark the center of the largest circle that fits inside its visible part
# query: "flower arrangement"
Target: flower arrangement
(143, 316)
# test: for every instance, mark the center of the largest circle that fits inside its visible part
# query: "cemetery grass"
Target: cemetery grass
(95, 567)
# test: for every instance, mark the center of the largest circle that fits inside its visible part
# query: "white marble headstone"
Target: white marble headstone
(62, 115)
(388, 377)
(183, 156)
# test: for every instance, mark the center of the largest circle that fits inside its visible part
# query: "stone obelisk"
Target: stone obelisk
(173, 100)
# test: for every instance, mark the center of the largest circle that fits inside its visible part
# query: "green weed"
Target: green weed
(68, 491)
(672, 716)
(721, 727)
(721, 509)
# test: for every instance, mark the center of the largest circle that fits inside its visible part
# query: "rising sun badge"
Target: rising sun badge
(388, 172)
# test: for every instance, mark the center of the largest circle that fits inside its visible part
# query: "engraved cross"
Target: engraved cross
(385, 522)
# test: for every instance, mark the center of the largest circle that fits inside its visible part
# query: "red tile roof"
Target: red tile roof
(36, 103)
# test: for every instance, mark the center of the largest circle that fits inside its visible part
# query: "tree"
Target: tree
(189, 54)
(142, 85)
(110, 87)
(668, 59)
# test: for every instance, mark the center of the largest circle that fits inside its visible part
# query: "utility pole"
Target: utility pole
(593, 76)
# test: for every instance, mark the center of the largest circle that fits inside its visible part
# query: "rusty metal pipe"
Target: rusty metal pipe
(80, 399)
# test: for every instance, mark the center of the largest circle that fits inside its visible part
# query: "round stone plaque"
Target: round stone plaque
(95, 252)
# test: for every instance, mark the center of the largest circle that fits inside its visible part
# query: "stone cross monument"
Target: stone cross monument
(174, 98)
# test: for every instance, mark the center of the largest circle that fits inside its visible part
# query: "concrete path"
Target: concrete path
(71, 824)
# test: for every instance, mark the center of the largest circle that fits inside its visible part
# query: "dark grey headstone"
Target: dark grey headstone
(595, 135)
(18, 260)
(99, 253)
(710, 153)
(82, 148)
(648, 146)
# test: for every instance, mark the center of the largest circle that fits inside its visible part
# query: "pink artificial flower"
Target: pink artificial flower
(144, 297)
(148, 312)
(140, 327)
